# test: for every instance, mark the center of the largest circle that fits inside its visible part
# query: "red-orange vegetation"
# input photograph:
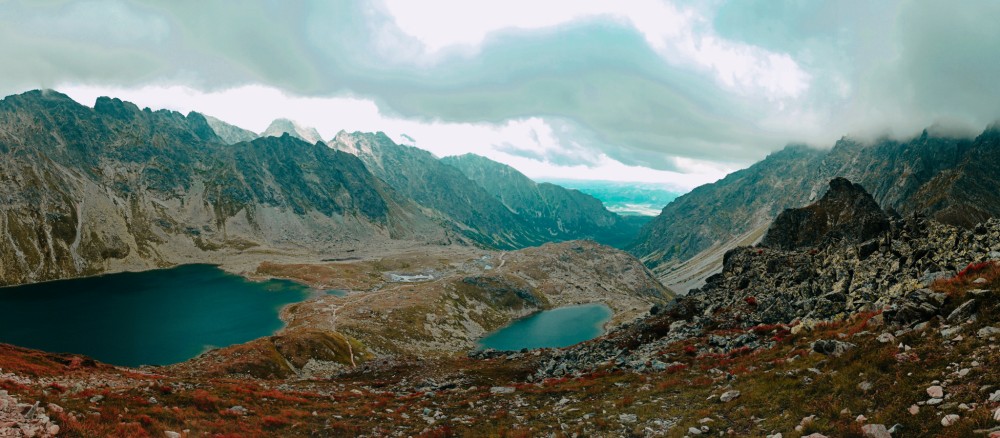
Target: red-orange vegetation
(957, 285)
(665, 384)
(28, 362)
(626, 401)
(274, 422)
(278, 395)
(204, 401)
(438, 432)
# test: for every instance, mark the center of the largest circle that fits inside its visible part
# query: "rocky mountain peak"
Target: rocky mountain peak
(229, 134)
(286, 126)
(354, 143)
(117, 108)
(37, 96)
(845, 213)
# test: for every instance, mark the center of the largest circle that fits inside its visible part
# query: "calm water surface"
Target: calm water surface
(154, 317)
(554, 328)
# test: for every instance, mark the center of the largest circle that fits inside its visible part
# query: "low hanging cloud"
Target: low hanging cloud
(645, 83)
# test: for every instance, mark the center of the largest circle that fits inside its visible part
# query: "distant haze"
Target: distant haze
(627, 198)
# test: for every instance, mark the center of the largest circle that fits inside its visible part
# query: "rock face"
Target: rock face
(948, 179)
(846, 214)
(115, 187)
(825, 281)
(844, 255)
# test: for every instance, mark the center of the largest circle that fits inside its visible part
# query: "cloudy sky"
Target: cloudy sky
(643, 90)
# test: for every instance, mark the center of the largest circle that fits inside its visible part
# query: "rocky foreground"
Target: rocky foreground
(826, 329)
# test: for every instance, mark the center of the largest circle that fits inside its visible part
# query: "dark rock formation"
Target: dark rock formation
(846, 214)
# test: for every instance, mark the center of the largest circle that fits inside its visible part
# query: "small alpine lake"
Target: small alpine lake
(154, 317)
(560, 327)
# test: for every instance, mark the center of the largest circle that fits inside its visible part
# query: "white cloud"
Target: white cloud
(557, 83)
(680, 35)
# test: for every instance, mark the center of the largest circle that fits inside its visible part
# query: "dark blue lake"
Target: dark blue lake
(154, 318)
(554, 328)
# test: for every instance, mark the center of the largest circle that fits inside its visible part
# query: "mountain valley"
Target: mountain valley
(850, 292)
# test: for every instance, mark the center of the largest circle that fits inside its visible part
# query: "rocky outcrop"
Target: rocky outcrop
(820, 283)
(841, 256)
(846, 214)
(951, 180)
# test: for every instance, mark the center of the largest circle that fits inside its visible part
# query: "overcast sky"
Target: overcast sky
(644, 90)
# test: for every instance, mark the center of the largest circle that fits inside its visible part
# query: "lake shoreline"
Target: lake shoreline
(543, 336)
(156, 317)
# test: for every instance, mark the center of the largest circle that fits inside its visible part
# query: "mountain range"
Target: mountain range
(115, 187)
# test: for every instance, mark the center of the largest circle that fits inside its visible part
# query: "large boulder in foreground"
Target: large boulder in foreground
(846, 214)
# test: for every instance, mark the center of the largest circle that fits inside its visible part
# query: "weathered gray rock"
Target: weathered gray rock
(963, 312)
(950, 332)
(502, 390)
(875, 431)
(935, 391)
(729, 396)
(988, 332)
(831, 347)
(950, 419)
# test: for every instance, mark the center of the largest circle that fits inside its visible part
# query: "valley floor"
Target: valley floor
(935, 379)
